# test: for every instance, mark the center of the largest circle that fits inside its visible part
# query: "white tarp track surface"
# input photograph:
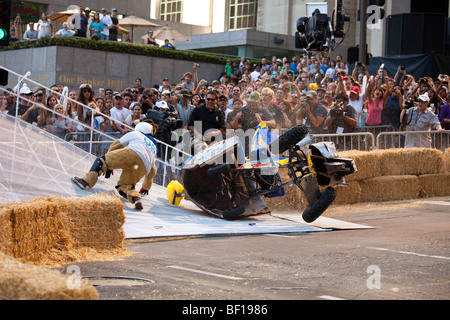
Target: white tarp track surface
(34, 163)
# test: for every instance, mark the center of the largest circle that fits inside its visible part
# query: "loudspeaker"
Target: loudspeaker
(415, 33)
(353, 55)
(3, 77)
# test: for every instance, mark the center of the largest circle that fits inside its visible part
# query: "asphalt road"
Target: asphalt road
(405, 256)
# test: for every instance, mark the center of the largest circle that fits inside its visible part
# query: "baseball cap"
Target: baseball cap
(113, 9)
(254, 97)
(424, 97)
(161, 104)
(354, 89)
(25, 90)
(185, 92)
(311, 93)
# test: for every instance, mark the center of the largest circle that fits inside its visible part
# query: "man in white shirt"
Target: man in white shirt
(107, 22)
(119, 114)
(356, 101)
(65, 31)
(135, 153)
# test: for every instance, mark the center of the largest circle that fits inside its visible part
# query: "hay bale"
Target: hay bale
(95, 221)
(367, 163)
(410, 161)
(5, 231)
(435, 185)
(62, 226)
(446, 161)
(348, 195)
(389, 188)
(19, 281)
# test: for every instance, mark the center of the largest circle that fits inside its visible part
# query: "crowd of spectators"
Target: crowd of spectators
(97, 25)
(318, 92)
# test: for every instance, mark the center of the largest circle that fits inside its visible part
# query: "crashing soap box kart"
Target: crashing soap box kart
(222, 182)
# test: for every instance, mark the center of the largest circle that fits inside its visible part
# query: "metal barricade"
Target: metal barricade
(363, 141)
(426, 139)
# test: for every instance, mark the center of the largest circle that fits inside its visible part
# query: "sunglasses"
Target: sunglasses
(210, 99)
(223, 100)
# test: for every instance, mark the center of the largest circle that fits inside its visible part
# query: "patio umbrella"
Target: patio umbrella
(133, 21)
(63, 15)
(169, 33)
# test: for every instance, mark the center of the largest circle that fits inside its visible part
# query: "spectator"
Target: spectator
(235, 95)
(376, 98)
(65, 31)
(30, 34)
(80, 22)
(138, 85)
(208, 119)
(114, 27)
(26, 111)
(96, 27)
(186, 81)
(444, 114)
(168, 45)
(127, 100)
(44, 28)
(312, 113)
(185, 108)
(3, 103)
(45, 118)
(84, 114)
(268, 104)
(237, 106)
(107, 22)
(150, 41)
(393, 107)
(356, 101)
(119, 114)
(288, 115)
(420, 118)
(135, 116)
(250, 116)
(61, 125)
(195, 100)
(341, 121)
(222, 106)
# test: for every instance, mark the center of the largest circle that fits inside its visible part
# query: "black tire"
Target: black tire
(313, 212)
(289, 138)
(217, 170)
(233, 213)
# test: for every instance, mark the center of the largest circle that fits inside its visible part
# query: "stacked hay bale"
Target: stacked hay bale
(57, 229)
(383, 175)
(19, 281)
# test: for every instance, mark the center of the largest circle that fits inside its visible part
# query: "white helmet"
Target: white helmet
(161, 105)
(144, 127)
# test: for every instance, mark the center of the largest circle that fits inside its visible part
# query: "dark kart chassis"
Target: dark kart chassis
(232, 190)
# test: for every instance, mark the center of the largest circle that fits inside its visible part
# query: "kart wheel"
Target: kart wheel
(289, 138)
(232, 213)
(217, 170)
(315, 211)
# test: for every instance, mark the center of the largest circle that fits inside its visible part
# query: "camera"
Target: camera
(337, 110)
(423, 80)
(161, 119)
(409, 103)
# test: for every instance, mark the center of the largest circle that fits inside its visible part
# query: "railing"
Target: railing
(89, 139)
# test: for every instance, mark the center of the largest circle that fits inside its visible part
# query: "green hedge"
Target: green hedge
(119, 47)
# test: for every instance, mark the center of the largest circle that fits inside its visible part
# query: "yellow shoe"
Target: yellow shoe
(175, 192)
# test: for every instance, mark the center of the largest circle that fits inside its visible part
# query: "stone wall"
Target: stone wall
(73, 66)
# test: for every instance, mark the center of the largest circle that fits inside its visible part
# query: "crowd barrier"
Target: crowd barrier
(97, 142)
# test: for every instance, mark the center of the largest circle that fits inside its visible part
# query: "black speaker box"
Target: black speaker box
(415, 33)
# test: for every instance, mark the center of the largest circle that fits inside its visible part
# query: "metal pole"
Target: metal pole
(363, 31)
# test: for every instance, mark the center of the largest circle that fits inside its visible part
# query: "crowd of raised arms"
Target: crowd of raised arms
(294, 91)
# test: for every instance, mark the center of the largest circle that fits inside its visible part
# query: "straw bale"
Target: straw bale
(5, 231)
(367, 163)
(19, 281)
(348, 195)
(446, 161)
(389, 188)
(435, 185)
(410, 161)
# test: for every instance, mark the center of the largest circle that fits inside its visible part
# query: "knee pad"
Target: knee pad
(99, 165)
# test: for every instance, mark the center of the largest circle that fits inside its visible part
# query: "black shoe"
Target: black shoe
(80, 183)
(137, 203)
